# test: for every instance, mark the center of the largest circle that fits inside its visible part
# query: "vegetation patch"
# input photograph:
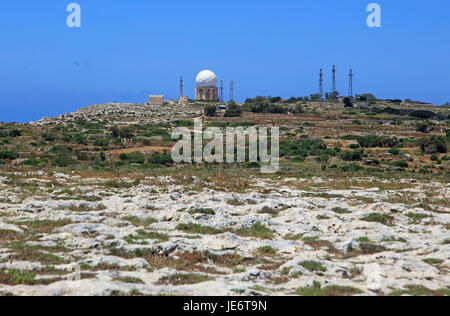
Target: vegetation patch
(416, 217)
(143, 235)
(313, 266)
(129, 279)
(45, 226)
(139, 222)
(293, 237)
(192, 228)
(418, 290)
(433, 261)
(365, 248)
(182, 279)
(267, 250)
(235, 202)
(379, 218)
(207, 211)
(16, 277)
(10, 235)
(332, 290)
(340, 210)
(26, 252)
(258, 230)
(268, 210)
(83, 207)
(318, 244)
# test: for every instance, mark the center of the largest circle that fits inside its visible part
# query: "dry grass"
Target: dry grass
(9, 235)
(44, 226)
(188, 261)
(182, 279)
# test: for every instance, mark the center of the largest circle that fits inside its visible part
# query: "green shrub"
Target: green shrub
(207, 211)
(348, 102)
(11, 155)
(262, 105)
(371, 141)
(63, 160)
(400, 164)
(433, 144)
(352, 155)
(192, 228)
(210, 110)
(101, 142)
(62, 150)
(183, 123)
(423, 114)
(136, 157)
(122, 133)
(350, 137)
(322, 158)
(233, 110)
(422, 127)
(48, 137)
(14, 133)
(33, 162)
(331, 290)
(82, 155)
(394, 151)
(351, 168)
(304, 147)
(258, 230)
(340, 210)
(267, 250)
(313, 266)
(162, 159)
(379, 218)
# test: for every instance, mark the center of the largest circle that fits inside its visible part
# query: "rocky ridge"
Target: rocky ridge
(125, 112)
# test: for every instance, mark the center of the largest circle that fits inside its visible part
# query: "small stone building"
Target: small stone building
(155, 100)
(183, 100)
(207, 94)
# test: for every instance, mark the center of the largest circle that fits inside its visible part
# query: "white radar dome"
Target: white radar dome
(206, 78)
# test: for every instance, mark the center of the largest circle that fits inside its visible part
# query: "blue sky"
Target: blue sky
(126, 50)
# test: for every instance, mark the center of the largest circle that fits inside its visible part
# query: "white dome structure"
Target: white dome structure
(206, 78)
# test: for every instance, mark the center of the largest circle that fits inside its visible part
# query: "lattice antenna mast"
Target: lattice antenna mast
(350, 84)
(321, 84)
(221, 90)
(181, 86)
(333, 88)
(232, 90)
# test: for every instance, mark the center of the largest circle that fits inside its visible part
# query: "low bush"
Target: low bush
(233, 110)
(210, 110)
(371, 141)
(400, 164)
(11, 155)
(162, 159)
(353, 155)
(135, 157)
(434, 144)
(63, 160)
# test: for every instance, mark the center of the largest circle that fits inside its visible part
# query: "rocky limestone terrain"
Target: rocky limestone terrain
(125, 113)
(70, 235)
